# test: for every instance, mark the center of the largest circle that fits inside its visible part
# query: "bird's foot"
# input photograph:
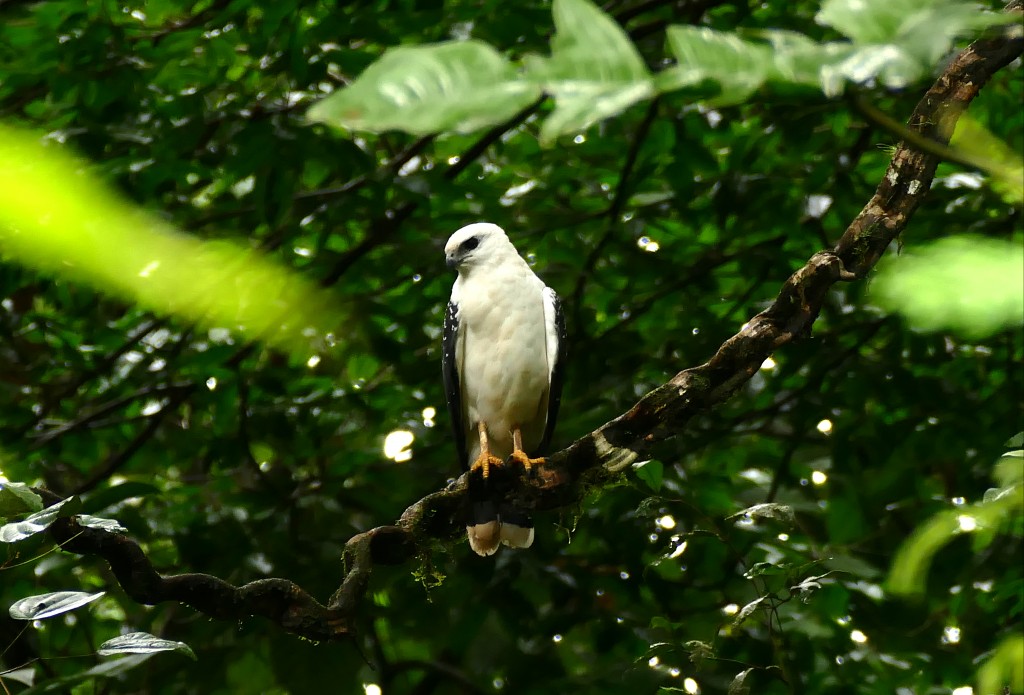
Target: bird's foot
(528, 464)
(484, 464)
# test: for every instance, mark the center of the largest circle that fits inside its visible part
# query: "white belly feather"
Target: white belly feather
(504, 362)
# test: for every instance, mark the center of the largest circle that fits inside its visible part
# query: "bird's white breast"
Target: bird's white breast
(504, 366)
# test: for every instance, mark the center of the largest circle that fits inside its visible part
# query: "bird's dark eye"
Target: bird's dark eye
(470, 243)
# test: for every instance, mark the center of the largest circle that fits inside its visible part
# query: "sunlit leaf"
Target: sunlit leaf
(143, 643)
(967, 285)
(460, 86)
(766, 569)
(594, 70)
(1003, 671)
(738, 685)
(913, 560)
(18, 498)
(1009, 468)
(651, 473)
(769, 510)
(38, 522)
(699, 651)
(25, 676)
(748, 610)
(898, 41)
(48, 605)
(739, 67)
(58, 217)
(96, 522)
(976, 143)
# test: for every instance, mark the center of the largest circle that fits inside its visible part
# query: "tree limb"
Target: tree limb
(602, 455)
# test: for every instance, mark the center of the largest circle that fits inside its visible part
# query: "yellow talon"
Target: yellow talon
(520, 456)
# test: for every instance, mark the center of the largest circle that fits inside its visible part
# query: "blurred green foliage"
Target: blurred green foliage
(964, 284)
(55, 217)
(755, 544)
(595, 71)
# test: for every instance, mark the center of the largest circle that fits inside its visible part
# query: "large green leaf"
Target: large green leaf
(90, 234)
(594, 70)
(18, 498)
(897, 41)
(460, 86)
(913, 561)
(739, 67)
(968, 285)
(39, 521)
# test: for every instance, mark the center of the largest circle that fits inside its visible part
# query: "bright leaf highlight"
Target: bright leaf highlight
(57, 217)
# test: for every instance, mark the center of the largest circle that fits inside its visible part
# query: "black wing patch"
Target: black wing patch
(452, 387)
(557, 373)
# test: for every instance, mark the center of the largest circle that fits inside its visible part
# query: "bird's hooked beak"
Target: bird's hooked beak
(451, 260)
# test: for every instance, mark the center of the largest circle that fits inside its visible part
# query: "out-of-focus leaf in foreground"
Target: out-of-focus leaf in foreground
(967, 285)
(995, 512)
(57, 217)
(1004, 669)
(977, 144)
(462, 86)
(594, 70)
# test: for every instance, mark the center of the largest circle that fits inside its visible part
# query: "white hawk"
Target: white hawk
(503, 358)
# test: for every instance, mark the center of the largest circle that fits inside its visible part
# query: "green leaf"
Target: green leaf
(594, 70)
(96, 522)
(45, 606)
(841, 562)
(867, 21)
(90, 234)
(460, 85)
(651, 473)
(738, 685)
(1003, 671)
(25, 676)
(964, 284)
(976, 144)
(1009, 469)
(18, 498)
(699, 651)
(748, 610)
(767, 569)
(923, 27)
(899, 41)
(913, 560)
(38, 522)
(768, 510)
(361, 368)
(738, 66)
(143, 643)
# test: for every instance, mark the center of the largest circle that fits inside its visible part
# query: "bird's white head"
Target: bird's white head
(481, 243)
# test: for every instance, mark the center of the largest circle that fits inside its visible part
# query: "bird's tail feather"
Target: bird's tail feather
(490, 526)
(516, 527)
(484, 528)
